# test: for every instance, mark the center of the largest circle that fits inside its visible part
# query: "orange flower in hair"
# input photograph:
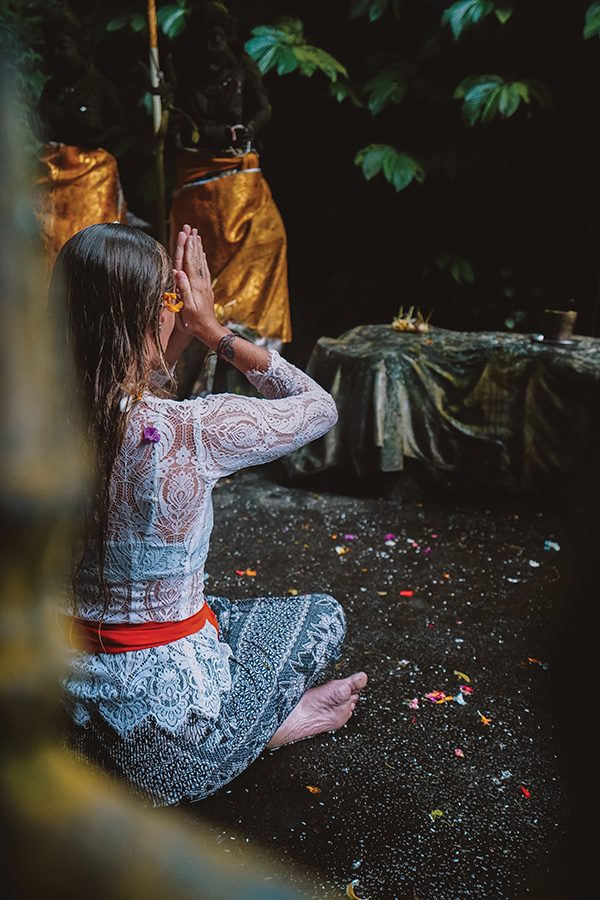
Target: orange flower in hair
(171, 302)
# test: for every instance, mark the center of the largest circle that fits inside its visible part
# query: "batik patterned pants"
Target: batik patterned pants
(281, 646)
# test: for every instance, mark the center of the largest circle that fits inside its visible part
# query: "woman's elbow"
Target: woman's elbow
(332, 411)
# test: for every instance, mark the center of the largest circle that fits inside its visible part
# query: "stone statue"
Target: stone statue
(79, 117)
(221, 101)
(220, 106)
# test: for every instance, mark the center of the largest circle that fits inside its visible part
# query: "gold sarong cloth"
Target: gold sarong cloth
(230, 203)
(75, 188)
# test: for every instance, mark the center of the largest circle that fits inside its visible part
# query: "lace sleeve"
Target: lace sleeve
(240, 431)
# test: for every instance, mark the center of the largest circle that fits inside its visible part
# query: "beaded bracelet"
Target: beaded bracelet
(224, 349)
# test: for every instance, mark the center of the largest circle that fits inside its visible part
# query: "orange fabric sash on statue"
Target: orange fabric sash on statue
(230, 203)
(75, 188)
(104, 637)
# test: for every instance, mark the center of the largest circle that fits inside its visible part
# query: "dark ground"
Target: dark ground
(489, 601)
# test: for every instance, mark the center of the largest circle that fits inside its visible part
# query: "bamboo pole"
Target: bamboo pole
(159, 123)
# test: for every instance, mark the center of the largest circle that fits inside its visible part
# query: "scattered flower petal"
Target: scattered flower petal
(407, 593)
(534, 563)
(458, 752)
(525, 792)
(543, 665)
(341, 550)
(551, 545)
(463, 676)
(313, 789)
(350, 891)
(436, 814)
(414, 703)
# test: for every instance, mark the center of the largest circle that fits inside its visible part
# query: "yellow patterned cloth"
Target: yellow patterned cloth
(228, 200)
(76, 188)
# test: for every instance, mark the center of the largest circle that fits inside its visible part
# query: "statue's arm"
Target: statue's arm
(257, 109)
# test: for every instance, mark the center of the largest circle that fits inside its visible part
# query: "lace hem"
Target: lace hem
(166, 684)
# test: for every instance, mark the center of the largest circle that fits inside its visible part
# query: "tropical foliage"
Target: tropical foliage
(424, 119)
(283, 47)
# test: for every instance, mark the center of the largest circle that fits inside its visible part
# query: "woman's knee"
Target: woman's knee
(333, 610)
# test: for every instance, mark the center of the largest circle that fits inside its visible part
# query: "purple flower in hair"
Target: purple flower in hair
(151, 434)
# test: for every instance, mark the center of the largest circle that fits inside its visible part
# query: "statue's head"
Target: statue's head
(211, 29)
(65, 48)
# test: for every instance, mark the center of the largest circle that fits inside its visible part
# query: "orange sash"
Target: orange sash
(104, 637)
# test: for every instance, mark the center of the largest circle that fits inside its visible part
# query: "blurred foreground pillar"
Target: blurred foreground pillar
(70, 831)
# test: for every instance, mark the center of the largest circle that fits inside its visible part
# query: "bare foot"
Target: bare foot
(323, 708)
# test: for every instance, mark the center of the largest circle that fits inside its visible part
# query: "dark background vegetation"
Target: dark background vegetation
(516, 198)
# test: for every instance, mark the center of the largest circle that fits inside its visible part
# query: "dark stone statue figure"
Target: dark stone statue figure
(78, 106)
(220, 102)
(220, 106)
(78, 118)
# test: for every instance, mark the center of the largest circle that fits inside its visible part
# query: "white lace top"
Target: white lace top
(160, 520)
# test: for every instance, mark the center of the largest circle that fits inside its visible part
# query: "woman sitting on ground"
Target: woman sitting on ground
(173, 693)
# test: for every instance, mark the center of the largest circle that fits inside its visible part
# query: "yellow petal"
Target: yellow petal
(350, 892)
(463, 676)
(313, 789)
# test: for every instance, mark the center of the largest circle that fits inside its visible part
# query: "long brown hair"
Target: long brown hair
(112, 278)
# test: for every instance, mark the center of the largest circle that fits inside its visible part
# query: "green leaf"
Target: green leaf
(117, 24)
(476, 94)
(342, 90)
(375, 8)
(371, 159)
(466, 13)
(389, 86)
(266, 58)
(137, 21)
(474, 81)
(286, 61)
(172, 21)
(592, 21)
(540, 91)
(458, 267)
(283, 46)
(509, 100)
(484, 96)
(398, 168)
(312, 58)
(147, 102)
(503, 12)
